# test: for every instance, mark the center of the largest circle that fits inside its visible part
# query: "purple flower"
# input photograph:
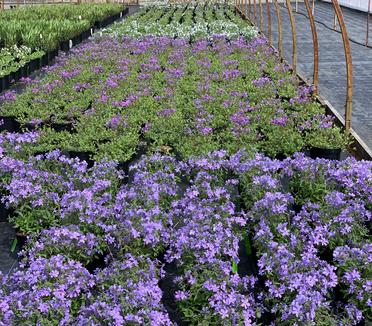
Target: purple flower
(262, 81)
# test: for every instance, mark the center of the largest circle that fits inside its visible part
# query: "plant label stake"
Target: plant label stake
(234, 267)
(14, 245)
(247, 245)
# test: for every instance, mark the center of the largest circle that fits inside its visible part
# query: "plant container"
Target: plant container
(5, 82)
(44, 60)
(9, 124)
(18, 74)
(51, 55)
(65, 46)
(34, 65)
(125, 11)
(327, 153)
(24, 70)
(98, 262)
(40, 153)
(76, 40)
(21, 239)
(4, 213)
(85, 35)
(124, 166)
(32, 126)
(63, 126)
(82, 156)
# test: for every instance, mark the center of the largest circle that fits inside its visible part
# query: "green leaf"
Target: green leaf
(14, 245)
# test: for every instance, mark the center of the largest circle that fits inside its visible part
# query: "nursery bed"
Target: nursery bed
(30, 52)
(197, 202)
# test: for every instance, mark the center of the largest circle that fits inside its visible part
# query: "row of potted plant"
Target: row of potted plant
(44, 27)
(312, 262)
(190, 22)
(32, 38)
(228, 238)
(13, 60)
(112, 95)
(311, 226)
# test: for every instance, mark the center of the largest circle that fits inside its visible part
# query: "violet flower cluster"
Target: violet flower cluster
(308, 221)
(194, 98)
(127, 293)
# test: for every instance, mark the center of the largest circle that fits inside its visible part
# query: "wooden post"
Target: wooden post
(349, 66)
(315, 47)
(269, 31)
(255, 11)
(280, 37)
(294, 36)
(261, 16)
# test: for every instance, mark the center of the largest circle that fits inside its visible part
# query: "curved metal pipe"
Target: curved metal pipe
(368, 16)
(255, 11)
(294, 35)
(315, 46)
(261, 16)
(349, 66)
(280, 36)
(269, 32)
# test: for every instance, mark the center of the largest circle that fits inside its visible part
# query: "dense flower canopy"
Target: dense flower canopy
(165, 179)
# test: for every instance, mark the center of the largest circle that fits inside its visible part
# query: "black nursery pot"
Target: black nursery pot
(85, 35)
(5, 82)
(18, 75)
(62, 127)
(51, 55)
(82, 156)
(32, 126)
(44, 60)
(103, 23)
(11, 77)
(25, 71)
(125, 11)
(124, 166)
(97, 263)
(97, 25)
(76, 40)
(4, 213)
(40, 153)
(327, 153)
(34, 65)
(280, 157)
(21, 239)
(65, 46)
(9, 124)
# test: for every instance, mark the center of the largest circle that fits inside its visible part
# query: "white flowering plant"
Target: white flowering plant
(178, 21)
